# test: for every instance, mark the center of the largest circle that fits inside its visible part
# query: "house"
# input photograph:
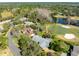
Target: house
(29, 23)
(23, 19)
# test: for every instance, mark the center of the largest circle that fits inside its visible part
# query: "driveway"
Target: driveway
(14, 49)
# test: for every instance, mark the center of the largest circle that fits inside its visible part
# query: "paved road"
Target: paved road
(15, 50)
(75, 51)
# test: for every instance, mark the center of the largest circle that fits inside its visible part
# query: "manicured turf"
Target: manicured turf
(57, 29)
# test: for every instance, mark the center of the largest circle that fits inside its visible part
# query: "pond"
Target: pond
(62, 21)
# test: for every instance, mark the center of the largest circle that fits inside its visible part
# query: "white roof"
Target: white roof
(23, 18)
(29, 23)
(43, 42)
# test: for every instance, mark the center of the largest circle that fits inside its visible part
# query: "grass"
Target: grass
(60, 32)
(57, 29)
(6, 52)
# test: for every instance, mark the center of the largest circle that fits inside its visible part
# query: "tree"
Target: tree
(38, 18)
(3, 42)
(67, 13)
(58, 45)
(6, 27)
(29, 47)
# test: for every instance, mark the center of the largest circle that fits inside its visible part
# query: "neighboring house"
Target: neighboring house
(43, 42)
(29, 23)
(27, 30)
(3, 22)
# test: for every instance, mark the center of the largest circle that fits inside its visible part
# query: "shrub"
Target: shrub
(6, 27)
(58, 45)
(3, 42)
(29, 47)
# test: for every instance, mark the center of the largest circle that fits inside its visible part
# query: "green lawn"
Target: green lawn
(57, 29)
(60, 31)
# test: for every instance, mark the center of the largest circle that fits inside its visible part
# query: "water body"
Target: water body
(65, 21)
(62, 20)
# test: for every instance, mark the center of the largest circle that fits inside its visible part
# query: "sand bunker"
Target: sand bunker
(69, 36)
